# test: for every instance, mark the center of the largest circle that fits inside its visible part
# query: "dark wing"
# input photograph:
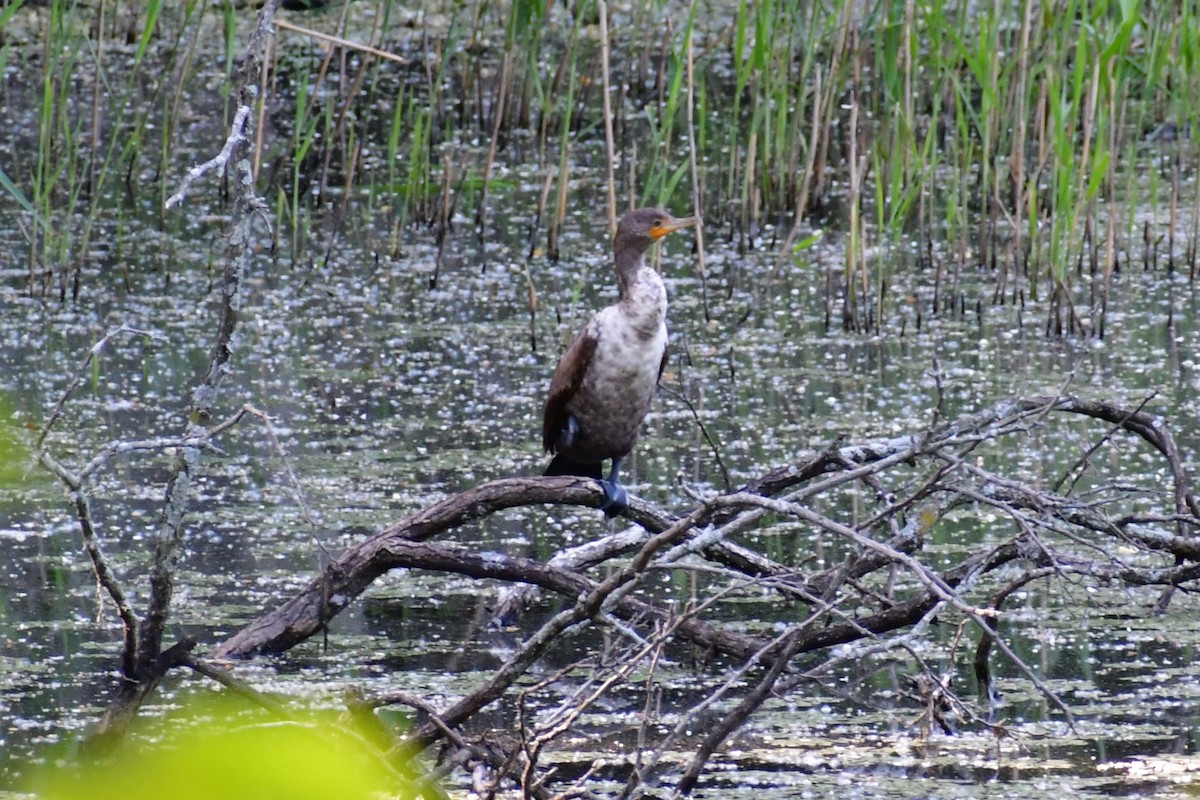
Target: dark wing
(662, 365)
(567, 378)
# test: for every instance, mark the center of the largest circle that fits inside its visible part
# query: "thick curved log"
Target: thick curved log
(402, 554)
(351, 573)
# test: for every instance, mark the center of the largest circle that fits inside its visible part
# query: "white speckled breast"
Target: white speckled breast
(619, 386)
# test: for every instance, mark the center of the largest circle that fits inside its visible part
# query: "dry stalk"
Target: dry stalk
(609, 146)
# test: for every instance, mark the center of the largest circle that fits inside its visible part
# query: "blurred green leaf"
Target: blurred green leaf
(16, 463)
(808, 241)
(16, 194)
(221, 748)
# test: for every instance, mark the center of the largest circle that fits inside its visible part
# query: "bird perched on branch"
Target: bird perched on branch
(605, 381)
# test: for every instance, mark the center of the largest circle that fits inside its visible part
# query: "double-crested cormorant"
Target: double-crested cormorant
(605, 380)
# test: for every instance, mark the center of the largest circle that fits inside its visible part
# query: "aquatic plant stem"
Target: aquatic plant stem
(806, 185)
(498, 121)
(609, 146)
(854, 261)
(564, 145)
(697, 192)
(261, 99)
(1017, 174)
(92, 162)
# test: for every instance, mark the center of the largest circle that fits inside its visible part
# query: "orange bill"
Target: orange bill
(672, 224)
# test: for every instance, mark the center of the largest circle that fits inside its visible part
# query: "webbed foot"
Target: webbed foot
(616, 500)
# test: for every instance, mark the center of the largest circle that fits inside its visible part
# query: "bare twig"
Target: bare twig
(712, 444)
(340, 42)
(237, 135)
(77, 378)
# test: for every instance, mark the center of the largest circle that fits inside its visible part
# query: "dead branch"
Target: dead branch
(347, 577)
(911, 480)
(237, 135)
(144, 661)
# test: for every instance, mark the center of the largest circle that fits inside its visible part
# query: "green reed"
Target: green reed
(566, 113)
(304, 135)
(1001, 140)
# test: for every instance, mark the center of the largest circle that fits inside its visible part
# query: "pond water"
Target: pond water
(387, 394)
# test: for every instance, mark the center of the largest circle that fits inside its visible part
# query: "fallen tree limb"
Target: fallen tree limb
(881, 590)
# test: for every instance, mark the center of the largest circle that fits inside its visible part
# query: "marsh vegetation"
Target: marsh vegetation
(932, 233)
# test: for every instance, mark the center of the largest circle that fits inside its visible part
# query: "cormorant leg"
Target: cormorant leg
(616, 501)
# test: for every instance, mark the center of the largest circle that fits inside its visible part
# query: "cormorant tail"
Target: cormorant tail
(561, 465)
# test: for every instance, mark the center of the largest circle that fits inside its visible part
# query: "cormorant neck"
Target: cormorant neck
(628, 262)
